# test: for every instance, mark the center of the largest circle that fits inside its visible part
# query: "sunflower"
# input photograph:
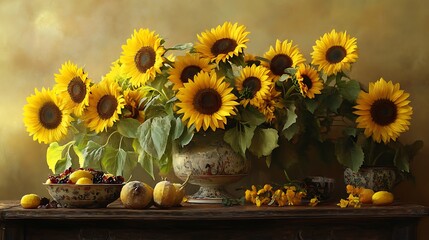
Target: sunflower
(223, 42)
(46, 116)
(186, 67)
(142, 56)
(206, 101)
(384, 112)
(250, 59)
(133, 104)
(117, 72)
(285, 55)
(253, 85)
(270, 104)
(105, 105)
(334, 52)
(308, 81)
(73, 85)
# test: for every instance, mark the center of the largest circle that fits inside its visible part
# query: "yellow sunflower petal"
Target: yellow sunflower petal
(46, 116)
(105, 105)
(384, 111)
(223, 42)
(203, 104)
(334, 52)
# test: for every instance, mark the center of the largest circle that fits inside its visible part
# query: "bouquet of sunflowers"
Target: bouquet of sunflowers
(156, 96)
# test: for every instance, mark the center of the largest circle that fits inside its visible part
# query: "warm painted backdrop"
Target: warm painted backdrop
(37, 36)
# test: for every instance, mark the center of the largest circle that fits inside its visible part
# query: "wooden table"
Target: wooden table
(326, 221)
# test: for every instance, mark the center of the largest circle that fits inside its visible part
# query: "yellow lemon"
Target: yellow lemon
(74, 176)
(164, 194)
(365, 195)
(382, 198)
(136, 195)
(84, 180)
(30, 201)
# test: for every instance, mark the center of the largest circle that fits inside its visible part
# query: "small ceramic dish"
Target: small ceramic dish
(84, 196)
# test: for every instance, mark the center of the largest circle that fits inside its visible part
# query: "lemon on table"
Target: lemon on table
(74, 176)
(30, 201)
(84, 180)
(382, 198)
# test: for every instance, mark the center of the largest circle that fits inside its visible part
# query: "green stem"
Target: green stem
(108, 138)
(289, 91)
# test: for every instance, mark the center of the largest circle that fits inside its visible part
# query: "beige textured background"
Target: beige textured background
(37, 36)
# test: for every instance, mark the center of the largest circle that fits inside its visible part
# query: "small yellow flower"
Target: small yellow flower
(343, 203)
(268, 187)
(313, 202)
(262, 200)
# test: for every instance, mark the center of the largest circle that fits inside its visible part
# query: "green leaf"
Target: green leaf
(290, 128)
(311, 105)
(349, 89)
(153, 135)
(283, 77)
(401, 159)
(240, 140)
(62, 165)
(127, 127)
(146, 161)
(79, 154)
(290, 117)
(268, 160)
(252, 116)
(109, 162)
(160, 131)
(264, 142)
(349, 154)
(289, 132)
(184, 46)
(187, 136)
(130, 163)
(333, 101)
(350, 131)
(92, 155)
(177, 128)
(291, 71)
(165, 165)
(55, 153)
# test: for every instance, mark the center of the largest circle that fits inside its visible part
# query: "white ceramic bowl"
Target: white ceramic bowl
(85, 195)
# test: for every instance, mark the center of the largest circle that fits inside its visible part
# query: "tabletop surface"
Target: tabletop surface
(11, 210)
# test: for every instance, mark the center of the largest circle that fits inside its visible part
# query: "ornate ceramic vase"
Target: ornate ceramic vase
(211, 164)
(375, 178)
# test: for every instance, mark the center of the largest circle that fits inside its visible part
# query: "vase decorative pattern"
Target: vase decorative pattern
(375, 178)
(211, 164)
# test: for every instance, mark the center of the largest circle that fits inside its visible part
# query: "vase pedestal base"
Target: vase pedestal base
(209, 195)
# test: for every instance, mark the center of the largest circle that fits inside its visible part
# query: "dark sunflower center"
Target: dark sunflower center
(224, 45)
(207, 101)
(50, 115)
(77, 90)
(279, 63)
(252, 84)
(336, 54)
(384, 112)
(145, 59)
(307, 81)
(189, 72)
(106, 106)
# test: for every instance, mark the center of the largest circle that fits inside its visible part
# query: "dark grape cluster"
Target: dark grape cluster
(46, 203)
(99, 177)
